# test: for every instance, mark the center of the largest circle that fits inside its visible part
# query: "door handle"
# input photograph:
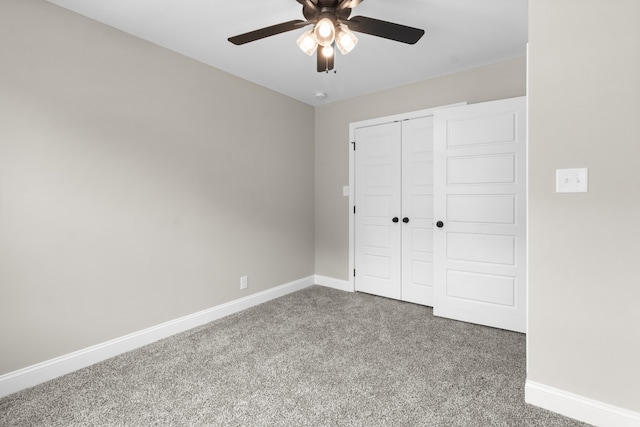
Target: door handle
(405, 220)
(439, 224)
(395, 219)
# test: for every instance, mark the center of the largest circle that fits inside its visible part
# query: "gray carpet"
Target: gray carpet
(318, 357)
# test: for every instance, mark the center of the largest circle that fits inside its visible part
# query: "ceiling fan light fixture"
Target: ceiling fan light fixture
(330, 28)
(325, 32)
(307, 42)
(345, 39)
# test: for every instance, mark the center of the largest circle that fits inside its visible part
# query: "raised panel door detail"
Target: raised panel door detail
(378, 175)
(418, 136)
(377, 266)
(422, 173)
(377, 206)
(422, 206)
(490, 169)
(486, 288)
(378, 145)
(422, 273)
(481, 248)
(422, 240)
(500, 128)
(376, 236)
(487, 208)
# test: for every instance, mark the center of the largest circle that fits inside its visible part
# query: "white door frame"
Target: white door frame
(352, 130)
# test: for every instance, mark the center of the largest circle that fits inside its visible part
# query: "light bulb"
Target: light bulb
(327, 51)
(325, 32)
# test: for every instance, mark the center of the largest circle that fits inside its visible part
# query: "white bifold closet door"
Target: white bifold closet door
(394, 210)
(440, 212)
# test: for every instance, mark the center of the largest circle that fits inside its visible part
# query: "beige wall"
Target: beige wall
(584, 286)
(498, 81)
(136, 186)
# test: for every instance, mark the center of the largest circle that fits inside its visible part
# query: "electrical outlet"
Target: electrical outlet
(243, 282)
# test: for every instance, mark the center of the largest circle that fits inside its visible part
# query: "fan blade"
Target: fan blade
(324, 63)
(312, 5)
(384, 29)
(268, 31)
(348, 4)
(310, 9)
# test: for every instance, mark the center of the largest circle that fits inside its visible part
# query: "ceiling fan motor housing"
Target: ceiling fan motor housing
(324, 9)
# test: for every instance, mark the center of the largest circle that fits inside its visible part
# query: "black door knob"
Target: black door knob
(439, 224)
(395, 219)
(405, 220)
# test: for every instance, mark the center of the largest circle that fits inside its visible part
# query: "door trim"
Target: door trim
(352, 130)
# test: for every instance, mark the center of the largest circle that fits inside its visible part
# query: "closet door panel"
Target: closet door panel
(417, 210)
(480, 206)
(378, 202)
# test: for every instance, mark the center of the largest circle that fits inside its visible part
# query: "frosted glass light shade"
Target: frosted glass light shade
(325, 32)
(307, 42)
(345, 39)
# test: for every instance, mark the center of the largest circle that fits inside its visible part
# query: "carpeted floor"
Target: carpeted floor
(318, 357)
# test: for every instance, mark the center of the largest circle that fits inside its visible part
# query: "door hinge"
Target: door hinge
(354, 145)
(354, 272)
(354, 209)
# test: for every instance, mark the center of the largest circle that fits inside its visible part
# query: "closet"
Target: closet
(394, 203)
(439, 210)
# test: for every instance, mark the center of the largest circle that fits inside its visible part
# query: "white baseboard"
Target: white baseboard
(330, 282)
(578, 407)
(50, 369)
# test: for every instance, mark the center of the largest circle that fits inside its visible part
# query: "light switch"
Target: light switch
(572, 180)
(345, 191)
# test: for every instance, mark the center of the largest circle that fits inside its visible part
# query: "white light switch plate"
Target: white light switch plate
(572, 180)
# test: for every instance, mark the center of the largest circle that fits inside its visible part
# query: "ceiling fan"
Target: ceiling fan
(332, 27)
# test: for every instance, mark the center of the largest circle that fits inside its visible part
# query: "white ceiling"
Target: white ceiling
(459, 34)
